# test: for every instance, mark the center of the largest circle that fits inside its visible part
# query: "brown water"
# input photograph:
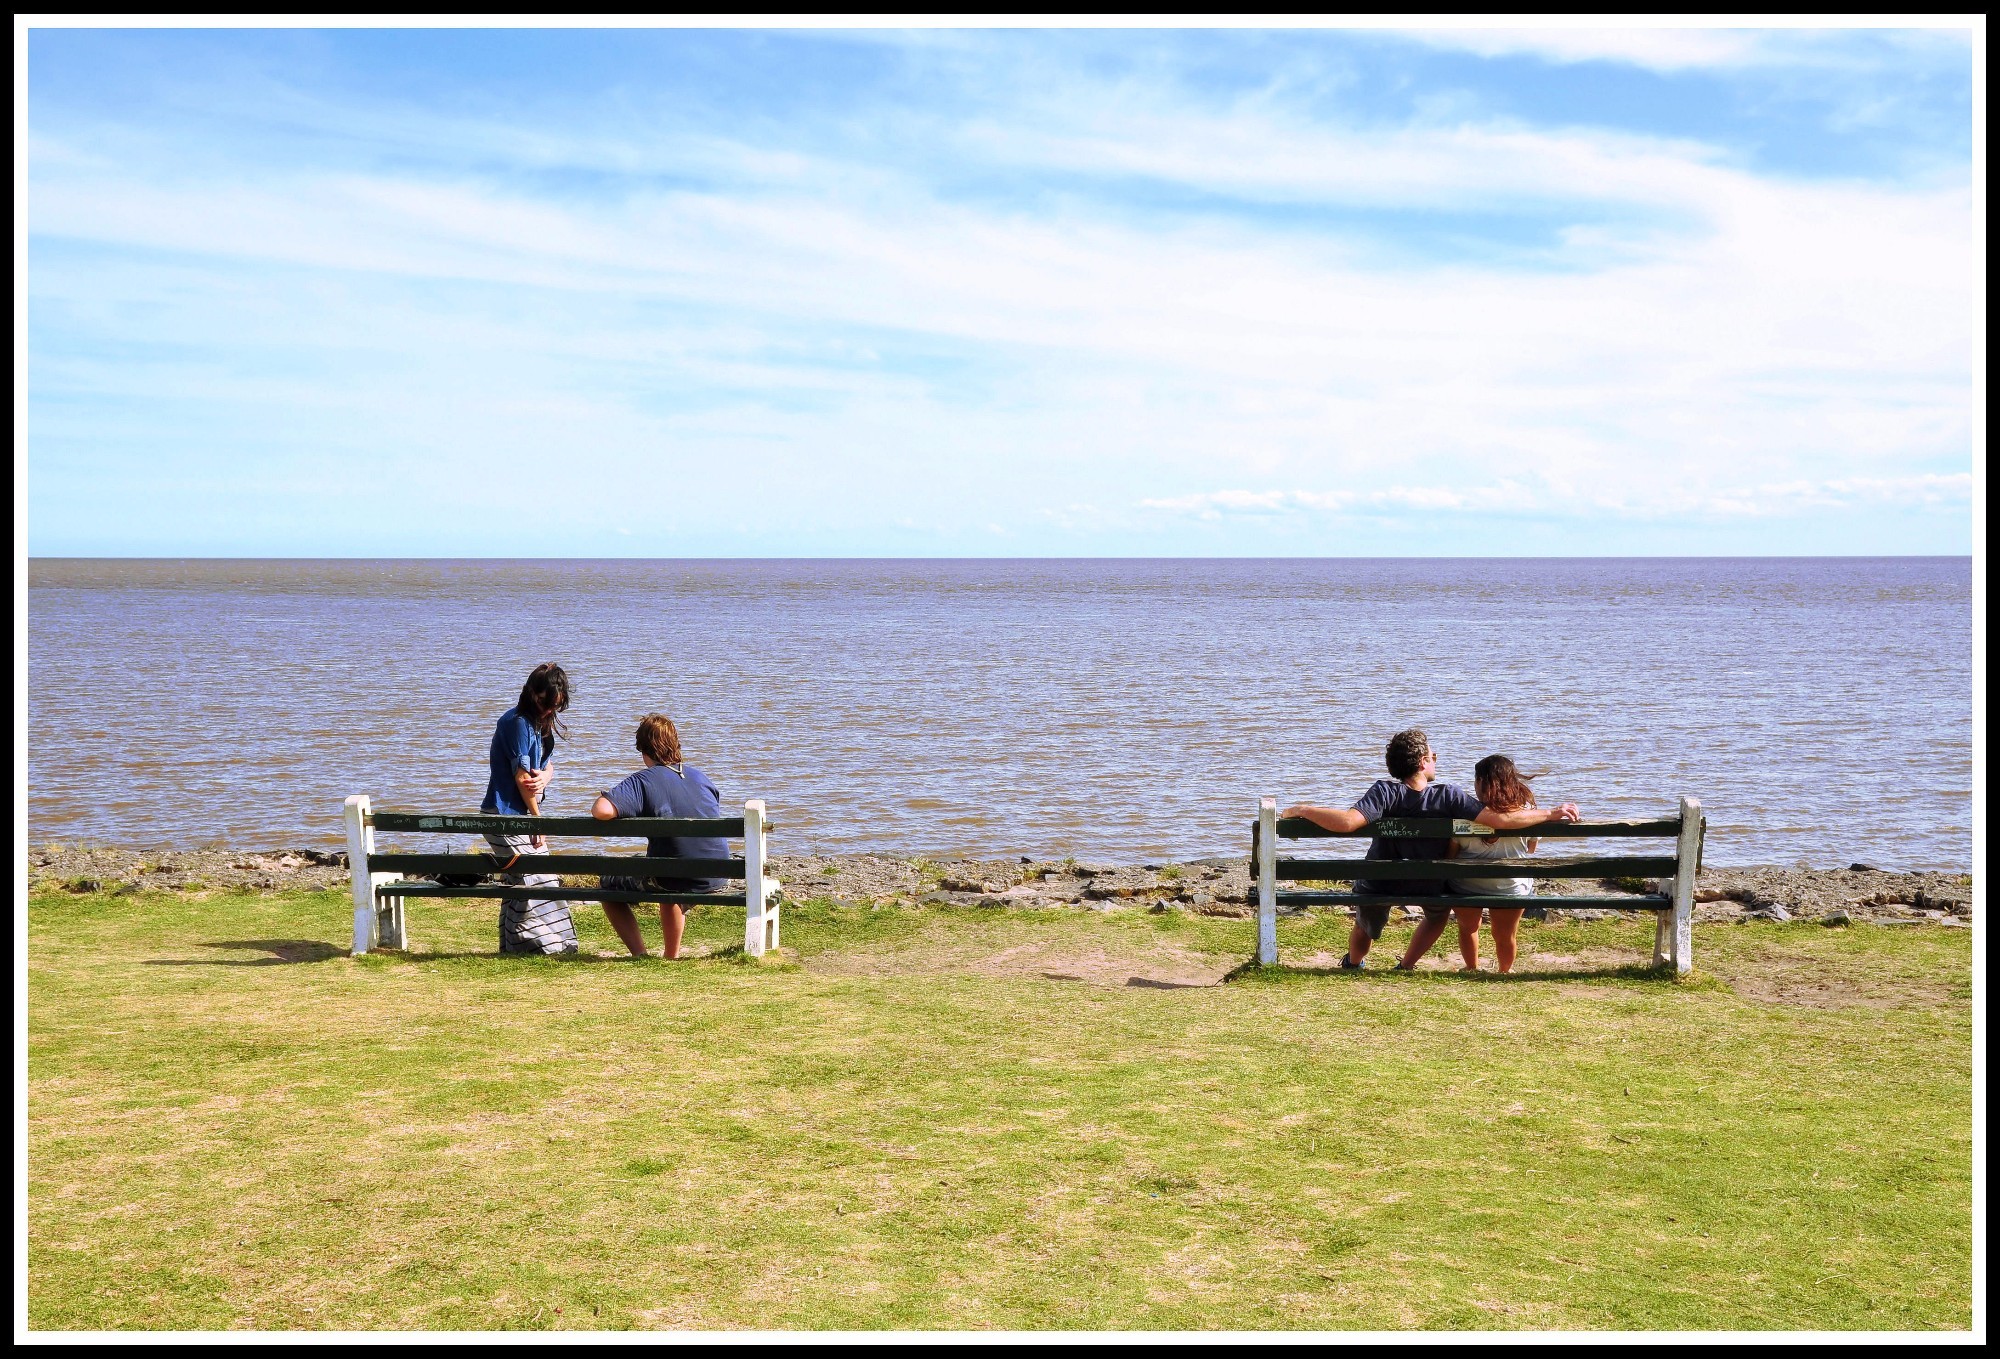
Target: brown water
(1110, 709)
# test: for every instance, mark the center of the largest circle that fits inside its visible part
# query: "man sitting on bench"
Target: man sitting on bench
(1409, 792)
(666, 787)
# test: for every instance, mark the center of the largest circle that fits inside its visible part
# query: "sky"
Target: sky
(725, 293)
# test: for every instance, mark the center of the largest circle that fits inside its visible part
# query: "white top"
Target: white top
(1491, 847)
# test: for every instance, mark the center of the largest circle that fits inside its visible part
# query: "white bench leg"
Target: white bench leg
(1266, 870)
(758, 933)
(390, 931)
(360, 844)
(1687, 854)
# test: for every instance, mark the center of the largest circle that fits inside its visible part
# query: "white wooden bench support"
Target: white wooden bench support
(1678, 924)
(378, 922)
(760, 906)
(1266, 869)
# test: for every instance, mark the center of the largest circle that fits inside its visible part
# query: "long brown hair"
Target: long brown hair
(544, 695)
(1500, 784)
(659, 738)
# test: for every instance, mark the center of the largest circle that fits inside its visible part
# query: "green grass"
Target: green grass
(972, 1118)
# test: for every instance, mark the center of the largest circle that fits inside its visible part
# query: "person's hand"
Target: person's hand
(538, 843)
(540, 778)
(1568, 812)
(1296, 809)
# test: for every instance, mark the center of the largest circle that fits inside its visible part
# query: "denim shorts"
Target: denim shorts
(1375, 918)
(612, 883)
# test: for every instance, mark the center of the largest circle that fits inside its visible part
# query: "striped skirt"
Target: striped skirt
(531, 926)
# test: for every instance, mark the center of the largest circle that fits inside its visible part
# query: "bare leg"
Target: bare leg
(1358, 942)
(1468, 936)
(627, 925)
(672, 921)
(1506, 929)
(1429, 930)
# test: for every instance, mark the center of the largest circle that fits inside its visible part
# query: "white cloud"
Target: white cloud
(1711, 329)
(1656, 48)
(1771, 500)
(1695, 44)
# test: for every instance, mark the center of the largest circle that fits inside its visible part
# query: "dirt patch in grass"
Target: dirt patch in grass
(1775, 976)
(1159, 964)
(1163, 965)
(1594, 959)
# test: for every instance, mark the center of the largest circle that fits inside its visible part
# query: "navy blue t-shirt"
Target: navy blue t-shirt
(662, 790)
(1393, 797)
(516, 745)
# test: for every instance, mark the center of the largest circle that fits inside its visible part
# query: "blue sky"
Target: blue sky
(1014, 293)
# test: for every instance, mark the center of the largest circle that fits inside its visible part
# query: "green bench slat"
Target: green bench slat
(1349, 870)
(1634, 903)
(716, 827)
(431, 889)
(625, 865)
(1438, 828)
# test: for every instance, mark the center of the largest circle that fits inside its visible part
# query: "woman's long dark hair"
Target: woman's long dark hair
(544, 696)
(1500, 784)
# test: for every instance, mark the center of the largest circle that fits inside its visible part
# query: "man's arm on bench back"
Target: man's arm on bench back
(1526, 817)
(1349, 819)
(1333, 818)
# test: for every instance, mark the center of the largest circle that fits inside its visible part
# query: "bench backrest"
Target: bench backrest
(707, 828)
(379, 885)
(1678, 868)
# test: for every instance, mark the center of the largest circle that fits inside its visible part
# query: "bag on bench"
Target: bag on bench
(474, 879)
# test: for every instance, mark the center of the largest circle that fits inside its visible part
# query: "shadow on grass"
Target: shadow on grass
(1250, 970)
(282, 952)
(285, 952)
(731, 953)
(1146, 983)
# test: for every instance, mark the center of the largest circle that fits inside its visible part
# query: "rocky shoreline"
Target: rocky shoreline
(1858, 894)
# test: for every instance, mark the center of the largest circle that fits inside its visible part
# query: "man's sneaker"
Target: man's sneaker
(1348, 964)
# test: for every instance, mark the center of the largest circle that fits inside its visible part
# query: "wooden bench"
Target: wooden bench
(380, 887)
(1673, 937)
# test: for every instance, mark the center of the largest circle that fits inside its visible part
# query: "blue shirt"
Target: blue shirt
(662, 790)
(1394, 798)
(516, 745)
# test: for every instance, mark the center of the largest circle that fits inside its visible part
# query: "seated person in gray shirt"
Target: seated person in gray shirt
(665, 787)
(1409, 792)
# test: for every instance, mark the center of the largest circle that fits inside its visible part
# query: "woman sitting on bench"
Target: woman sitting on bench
(1502, 788)
(665, 787)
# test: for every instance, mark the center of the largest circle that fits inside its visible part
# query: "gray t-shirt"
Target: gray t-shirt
(1394, 798)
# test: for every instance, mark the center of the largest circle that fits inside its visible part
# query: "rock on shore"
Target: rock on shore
(1206, 886)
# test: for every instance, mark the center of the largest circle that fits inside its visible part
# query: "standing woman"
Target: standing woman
(524, 740)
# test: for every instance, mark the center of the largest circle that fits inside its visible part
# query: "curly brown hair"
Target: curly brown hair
(1500, 784)
(1407, 750)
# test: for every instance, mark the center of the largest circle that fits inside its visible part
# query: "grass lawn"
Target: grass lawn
(1014, 1119)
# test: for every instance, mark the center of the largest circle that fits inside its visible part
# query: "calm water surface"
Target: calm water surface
(1820, 708)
